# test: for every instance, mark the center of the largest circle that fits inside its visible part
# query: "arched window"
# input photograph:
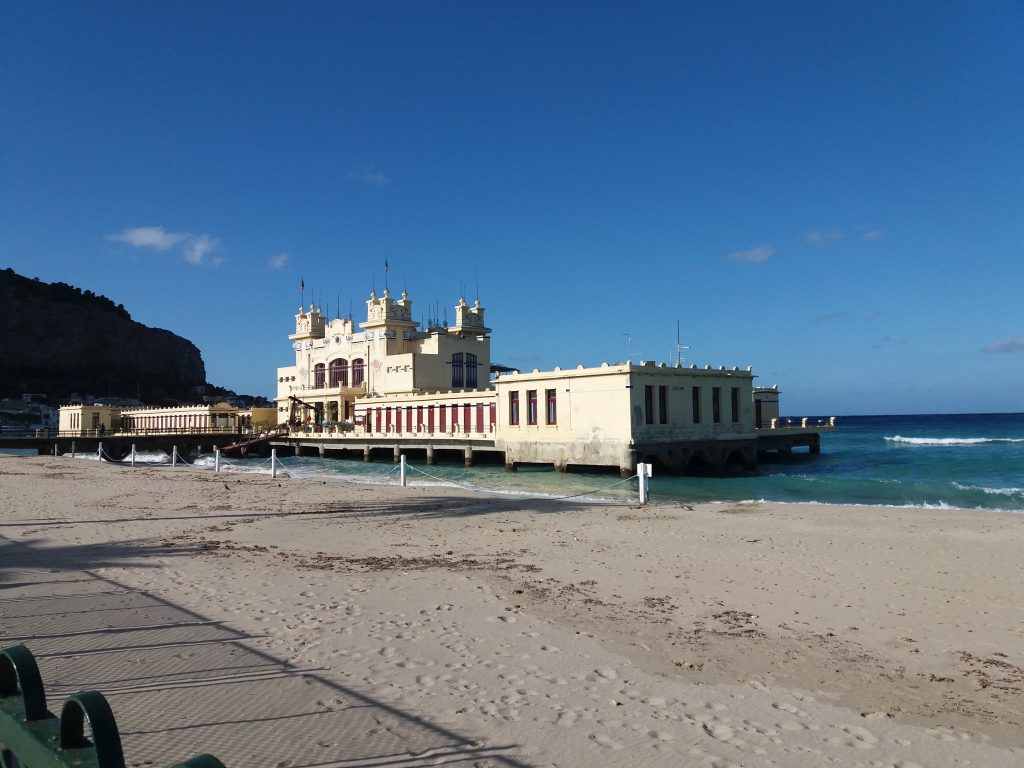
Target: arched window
(339, 373)
(457, 371)
(357, 372)
(318, 375)
(471, 370)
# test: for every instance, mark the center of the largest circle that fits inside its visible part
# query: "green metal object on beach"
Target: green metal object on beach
(33, 737)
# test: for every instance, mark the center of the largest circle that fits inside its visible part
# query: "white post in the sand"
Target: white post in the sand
(54, 449)
(174, 455)
(99, 452)
(401, 469)
(72, 449)
(643, 473)
(216, 459)
(133, 454)
(273, 462)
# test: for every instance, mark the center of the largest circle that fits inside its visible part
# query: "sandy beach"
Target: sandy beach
(300, 623)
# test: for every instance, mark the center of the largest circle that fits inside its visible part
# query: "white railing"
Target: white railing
(803, 423)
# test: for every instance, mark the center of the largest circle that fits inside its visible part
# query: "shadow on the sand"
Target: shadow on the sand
(181, 684)
(419, 507)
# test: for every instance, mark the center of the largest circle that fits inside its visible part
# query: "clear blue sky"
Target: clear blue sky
(830, 192)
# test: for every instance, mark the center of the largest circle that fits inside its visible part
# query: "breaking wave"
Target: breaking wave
(946, 441)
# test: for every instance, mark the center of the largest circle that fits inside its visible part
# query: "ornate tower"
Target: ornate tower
(309, 325)
(469, 321)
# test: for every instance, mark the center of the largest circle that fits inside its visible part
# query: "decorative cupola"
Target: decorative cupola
(386, 312)
(309, 325)
(469, 320)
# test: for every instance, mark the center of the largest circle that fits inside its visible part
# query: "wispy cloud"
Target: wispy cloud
(198, 249)
(278, 260)
(1012, 344)
(831, 317)
(874, 234)
(156, 238)
(369, 175)
(754, 255)
(195, 249)
(819, 237)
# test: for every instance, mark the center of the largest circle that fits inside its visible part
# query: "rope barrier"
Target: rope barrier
(506, 494)
(450, 482)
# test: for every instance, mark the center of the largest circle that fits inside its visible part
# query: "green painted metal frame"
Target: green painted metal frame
(33, 737)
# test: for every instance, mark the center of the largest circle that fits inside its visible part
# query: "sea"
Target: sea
(968, 461)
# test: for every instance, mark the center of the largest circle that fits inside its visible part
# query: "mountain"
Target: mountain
(60, 340)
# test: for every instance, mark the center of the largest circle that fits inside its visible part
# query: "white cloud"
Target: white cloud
(199, 247)
(195, 249)
(754, 255)
(823, 237)
(278, 260)
(370, 175)
(1012, 344)
(874, 234)
(156, 238)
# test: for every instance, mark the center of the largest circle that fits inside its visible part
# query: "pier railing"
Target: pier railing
(33, 737)
(804, 422)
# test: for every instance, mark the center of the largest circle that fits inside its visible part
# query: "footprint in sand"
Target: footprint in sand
(607, 673)
(862, 737)
(791, 709)
(718, 731)
(605, 741)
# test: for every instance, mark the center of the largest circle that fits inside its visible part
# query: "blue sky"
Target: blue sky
(832, 193)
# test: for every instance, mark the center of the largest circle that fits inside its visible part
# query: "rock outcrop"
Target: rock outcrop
(58, 340)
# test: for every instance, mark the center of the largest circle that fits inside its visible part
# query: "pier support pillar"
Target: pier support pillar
(367, 454)
(469, 456)
(431, 458)
(815, 444)
(511, 466)
(627, 464)
(323, 451)
(398, 454)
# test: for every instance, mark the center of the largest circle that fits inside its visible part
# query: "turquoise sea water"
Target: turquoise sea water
(971, 461)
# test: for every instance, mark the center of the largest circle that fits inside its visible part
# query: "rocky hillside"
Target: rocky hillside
(58, 339)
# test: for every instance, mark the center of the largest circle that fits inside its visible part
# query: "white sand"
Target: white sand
(295, 623)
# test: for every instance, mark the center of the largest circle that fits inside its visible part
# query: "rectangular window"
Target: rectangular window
(735, 405)
(513, 408)
(398, 420)
(467, 414)
(442, 415)
(492, 416)
(716, 405)
(551, 406)
(663, 405)
(419, 418)
(471, 370)
(648, 404)
(430, 418)
(457, 371)
(531, 406)
(455, 418)
(408, 418)
(696, 405)
(479, 417)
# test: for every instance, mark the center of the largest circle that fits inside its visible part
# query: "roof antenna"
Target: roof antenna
(476, 276)
(679, 348)
(350, 310)
(385, 273)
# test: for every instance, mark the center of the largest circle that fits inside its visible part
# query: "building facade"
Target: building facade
(389, 384)
(345, 378)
